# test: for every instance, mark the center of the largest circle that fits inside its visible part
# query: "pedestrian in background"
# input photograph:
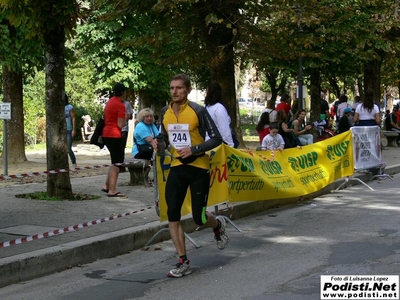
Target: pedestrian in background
(189, 168)
(324, 113)
(357, 102)
(301, 129)
(391, 123)
(290, 140)
(269, 108)
(70, 120)
(284, 104)
(293, 110)
(145, 133)
(129, 116)
(342, 106)
(114, 120)
(87, 129)
(367, 113)
(262, 126)
(218, 112)
(344, 122)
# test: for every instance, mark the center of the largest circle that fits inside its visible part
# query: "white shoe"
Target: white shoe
(223, 238)
(74, 166)
(181, 269)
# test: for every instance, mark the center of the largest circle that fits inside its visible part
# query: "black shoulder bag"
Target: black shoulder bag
(96, 138)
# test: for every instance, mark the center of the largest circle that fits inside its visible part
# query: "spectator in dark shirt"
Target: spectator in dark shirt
(391, 120)
(344, 121)
(391, 123)
(324, 113)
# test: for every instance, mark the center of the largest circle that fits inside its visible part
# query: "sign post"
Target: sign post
(5, 114)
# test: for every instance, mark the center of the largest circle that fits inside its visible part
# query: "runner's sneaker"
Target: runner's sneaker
(182, 268)
(221, 236)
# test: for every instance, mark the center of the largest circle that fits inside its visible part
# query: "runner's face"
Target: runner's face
(179, 92)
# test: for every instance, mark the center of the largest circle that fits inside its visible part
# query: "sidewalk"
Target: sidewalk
(92, 239)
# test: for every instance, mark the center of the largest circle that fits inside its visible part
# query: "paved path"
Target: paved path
(22, 217)
(279, 255)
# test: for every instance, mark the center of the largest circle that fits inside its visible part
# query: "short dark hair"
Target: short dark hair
(284, 97)
(343, 98)
(185, 78)
(274, 125)
(119, 89)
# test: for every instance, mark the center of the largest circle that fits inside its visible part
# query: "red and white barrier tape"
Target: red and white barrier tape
(33, 174)
(68, 229)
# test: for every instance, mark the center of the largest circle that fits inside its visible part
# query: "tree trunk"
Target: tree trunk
(223, 72)
(315, 89)
(272, 78)
(372, 78)
(12, 89)
(336, 89)
(220, 41)
(58, 184)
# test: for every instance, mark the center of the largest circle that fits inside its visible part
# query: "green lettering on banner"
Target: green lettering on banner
(239, 185)
(334, 152)
(303, 161)
(314, 177)
(271, 167)
(284, 184)
(343, 164)
(235, 162)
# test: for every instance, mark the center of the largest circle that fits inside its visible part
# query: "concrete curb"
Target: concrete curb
(43, 262)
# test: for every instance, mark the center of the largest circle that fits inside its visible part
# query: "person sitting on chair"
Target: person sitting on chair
(87, 129)
(391, 123)
(145, 134)
(344, 121)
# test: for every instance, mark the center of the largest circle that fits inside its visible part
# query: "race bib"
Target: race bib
(179, 136)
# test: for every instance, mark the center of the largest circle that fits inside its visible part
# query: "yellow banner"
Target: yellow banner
(244, 175)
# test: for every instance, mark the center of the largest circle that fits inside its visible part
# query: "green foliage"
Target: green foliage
(43, 16)
(80, 88)
(102, 42)
(34, 109)
(16, 50)
(35, 147)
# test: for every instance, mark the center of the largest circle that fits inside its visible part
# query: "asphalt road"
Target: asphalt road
(279, 255)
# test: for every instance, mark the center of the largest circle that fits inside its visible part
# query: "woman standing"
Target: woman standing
(367, 113)
(218, 112)
(145, 134)
(70, 119)
(114, 120)
(301, 129)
